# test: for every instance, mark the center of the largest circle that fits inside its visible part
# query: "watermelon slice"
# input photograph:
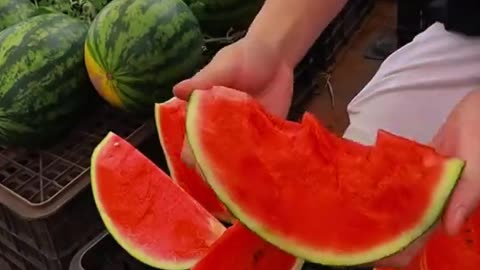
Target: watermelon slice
(152, 218)
(170, 120)
(240, 249)
(444, 252)
(317, 196)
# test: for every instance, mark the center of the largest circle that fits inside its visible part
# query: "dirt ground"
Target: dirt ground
(352, 70)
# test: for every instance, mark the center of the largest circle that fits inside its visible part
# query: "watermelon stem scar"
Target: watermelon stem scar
(320, 197)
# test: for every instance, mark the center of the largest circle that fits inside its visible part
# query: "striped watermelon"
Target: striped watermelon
(218, 16)
(15, 11)
(43, 78)
(136, 50)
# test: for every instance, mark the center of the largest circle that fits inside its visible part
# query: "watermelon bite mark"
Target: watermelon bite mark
(153, 219)
(320, 197)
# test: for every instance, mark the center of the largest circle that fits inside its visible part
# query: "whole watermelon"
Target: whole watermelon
(43, 82)
(15, 11)
(136, 50)
(216, 17)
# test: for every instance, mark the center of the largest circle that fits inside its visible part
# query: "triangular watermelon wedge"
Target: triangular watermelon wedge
(320, 197)
(240, 249)
(170, 122)
(150, 217)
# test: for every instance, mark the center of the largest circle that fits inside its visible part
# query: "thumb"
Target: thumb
(466, 195)
(217, 72)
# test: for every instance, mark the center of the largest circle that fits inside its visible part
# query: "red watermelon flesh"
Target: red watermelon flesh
(153, 219)
(240, 249)
(462, 251)
(444, 252)
(320, 197)
(170, 120)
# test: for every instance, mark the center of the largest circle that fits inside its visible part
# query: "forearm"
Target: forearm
(291, 27)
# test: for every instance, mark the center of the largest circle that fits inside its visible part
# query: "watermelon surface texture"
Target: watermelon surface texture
(136, 50)
(240, 249)
(317, 196)
(44, 85)
(444, 252)
(15, 11)
(152, 218)
(170, 120)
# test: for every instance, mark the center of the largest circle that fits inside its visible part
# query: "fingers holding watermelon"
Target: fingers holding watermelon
(459, 137)
(248, 66)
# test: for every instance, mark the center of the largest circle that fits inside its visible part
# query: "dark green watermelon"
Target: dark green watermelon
(43, 83)
(136, 50)
(15, 11)
(217, 17)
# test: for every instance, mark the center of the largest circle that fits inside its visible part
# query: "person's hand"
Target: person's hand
(249, 66)
(459, 136)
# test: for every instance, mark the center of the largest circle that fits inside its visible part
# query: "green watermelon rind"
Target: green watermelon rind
(161, 139)
(123, 242)
(453, 170)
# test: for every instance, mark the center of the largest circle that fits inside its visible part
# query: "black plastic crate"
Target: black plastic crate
(340, 29)
(103, 253)
(305, 86)
(45, 204)
(329, 42)
(18, 255)
(354, 13)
